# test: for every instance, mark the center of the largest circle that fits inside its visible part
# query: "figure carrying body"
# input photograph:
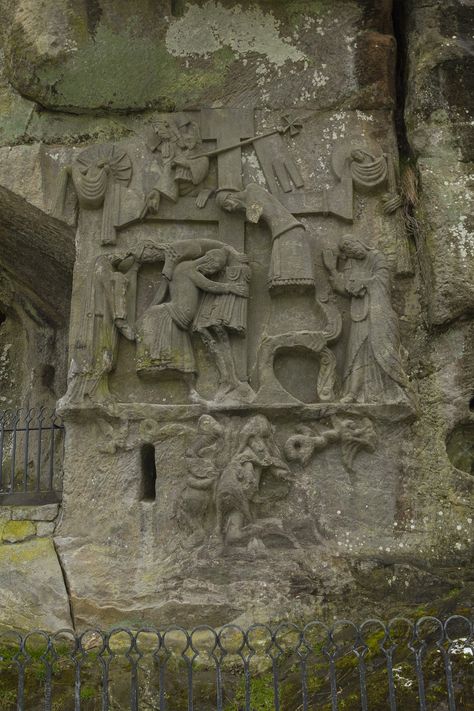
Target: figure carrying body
(163, 331)
(220, 315)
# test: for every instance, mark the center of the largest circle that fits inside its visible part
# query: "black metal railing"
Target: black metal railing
(31, 449)
(400, 665)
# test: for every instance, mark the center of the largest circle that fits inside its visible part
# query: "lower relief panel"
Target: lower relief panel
(220, 517)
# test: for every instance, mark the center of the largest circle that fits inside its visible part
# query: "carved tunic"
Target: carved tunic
(225, 310)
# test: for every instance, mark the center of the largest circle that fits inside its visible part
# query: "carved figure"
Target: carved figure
(98, 173)
(164, 341)
(373, 370)
(238, 488)
(183, 170)
(110, 309)
(353, 435)
(219, 315)
(198, 494)
(231, 473)
(291, 262)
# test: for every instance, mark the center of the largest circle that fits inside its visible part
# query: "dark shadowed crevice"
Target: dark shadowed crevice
(94, 13)
(399, 22)
(66, 585)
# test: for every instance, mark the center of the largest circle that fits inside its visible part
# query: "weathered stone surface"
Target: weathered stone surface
(16, 531)
(46, 512)
(33, 591)
(439, 120)
(45, 528)
(234, 54)
(264, 419)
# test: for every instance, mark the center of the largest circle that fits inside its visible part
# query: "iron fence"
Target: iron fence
(400, 665)
(31, 447)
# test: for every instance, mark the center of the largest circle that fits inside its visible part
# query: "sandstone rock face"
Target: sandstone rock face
(34, 595)
(253, 223)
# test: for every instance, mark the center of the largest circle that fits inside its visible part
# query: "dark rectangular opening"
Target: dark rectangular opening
(177, 7)
(148, 488)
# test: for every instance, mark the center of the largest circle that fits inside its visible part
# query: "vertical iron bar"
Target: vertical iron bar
(38, 457)
(332, 677)
(448, 670)
(190, 685)
(105, 683)
(247, 685)
(304, 685)
(276, 690)
(162, 686)
(27, 444)
(362, 683)
(20, 700)
(219, 686)
(51, 454)
(77, 686)
(420, 678)
(391, 683)
(2, 435)
(133, 685)
(47, 685)
(13, 462)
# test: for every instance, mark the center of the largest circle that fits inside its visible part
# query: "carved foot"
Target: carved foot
(240, 395)
(350, 397)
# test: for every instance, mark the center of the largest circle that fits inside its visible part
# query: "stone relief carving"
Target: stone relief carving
(291, 262)
(109, 310)
(98, 174)
(204, 286)
(373, 370)
(183, 169)
(368, 170)
(209, 307)
(354, 435)
(225, 486)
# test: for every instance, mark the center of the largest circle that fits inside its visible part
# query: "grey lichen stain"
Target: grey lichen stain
(206, 29)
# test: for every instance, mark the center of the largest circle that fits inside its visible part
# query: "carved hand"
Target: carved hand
(239, 290)
(153, 201)
(203, 197)
(356, 287)
(180, 161)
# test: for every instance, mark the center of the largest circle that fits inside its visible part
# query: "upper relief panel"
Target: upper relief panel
(221, 264)
(168, 54)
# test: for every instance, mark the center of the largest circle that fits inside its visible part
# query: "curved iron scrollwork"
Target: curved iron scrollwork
(400, 663)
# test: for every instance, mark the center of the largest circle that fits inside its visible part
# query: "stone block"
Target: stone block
(16, 531)
(33, 593)
(45, 528)
(46, 512)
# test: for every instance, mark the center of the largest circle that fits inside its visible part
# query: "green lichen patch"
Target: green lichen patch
(16, 531)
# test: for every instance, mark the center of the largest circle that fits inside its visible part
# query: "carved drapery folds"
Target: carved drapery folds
(223, 303)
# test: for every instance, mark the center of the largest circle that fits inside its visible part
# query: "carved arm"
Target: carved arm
(216, 287)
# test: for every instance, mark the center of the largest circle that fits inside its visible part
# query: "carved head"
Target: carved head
(360, 156)
(229, 201)
(166, 129)
(213, 261)
(352, 248)
(190, 135)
